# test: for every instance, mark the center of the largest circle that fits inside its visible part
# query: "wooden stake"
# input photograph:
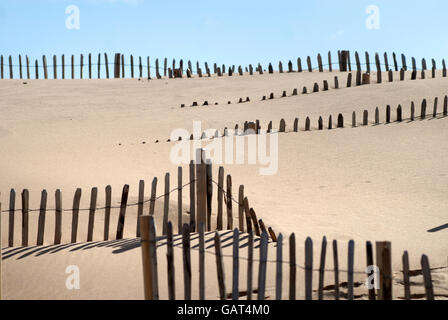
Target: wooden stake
(106, 63)
(58, 218)
(166, 203)
(292, 267)
(322, 269)
(141, 199)
(279, 268)
(248, 215)
(201, 262)
(235, 276)
(192, 198)
(75, 214)
(229, 203)
(93, 197)
(351, 262)
(427, 278)
(383, 261)
(255, 222)
(170, 262)
(107, 212)
(336, 270)
(209, 177)
(42, 212)
(122, 215)
(220, 267)
(308, 269)
(12, 204)
(240, 208)
(406, 281)
(262, 266)
(370, 263)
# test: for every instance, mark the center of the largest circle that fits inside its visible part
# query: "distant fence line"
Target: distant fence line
(381, 279)
(201, 192)
(344, 64)
(253, 127)
(361, 79)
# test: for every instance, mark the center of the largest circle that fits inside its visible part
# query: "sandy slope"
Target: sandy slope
(384, 182)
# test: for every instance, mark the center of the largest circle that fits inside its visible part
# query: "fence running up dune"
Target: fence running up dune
(178, 71)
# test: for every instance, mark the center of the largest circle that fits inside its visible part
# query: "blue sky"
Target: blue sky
(230, 32)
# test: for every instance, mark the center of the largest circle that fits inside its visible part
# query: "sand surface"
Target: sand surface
(385, 182)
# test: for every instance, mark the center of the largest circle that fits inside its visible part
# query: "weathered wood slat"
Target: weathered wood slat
(179, 200)
(201, 192)
(152, 200)
(58, 218)
(262, 266)
(292, 267)
(147, 275)
(107, 212)
(153, 257)
(351, 262)
(25, 212)
(41, 223)
(279, 268)
(250, 263)
(186, 261)
(235, 259)
(336, 270)
(141, 199)
(229, 203)
(241, 208)
(170, 262)
(209, 179)
(122, 214)
(166, 203)
(369, 254)
(309, 269)
(201, 262)
(192, 198)
(12, 207)
(75, 215)
(406, 280)
(322, 269)
(219, 225)
(255, 221)
(220, 267)
(383, 261)
(426, 269)
(93, 197)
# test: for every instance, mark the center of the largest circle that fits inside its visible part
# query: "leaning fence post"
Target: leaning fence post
(308, 269)
(336, 270)
(235, 276)
(106, 63)
(406, 282)
(383, 261)
(20, 66)
(279, 268)
(427, 278)
(58, 218)
(170, 262)
(107, 212)
(220, 267)
(248, 215)
(75, 214)
(186, 261)
(322, 269)
(41, 224)
(93, 197)
(166, 203)
(122, 215)
(201, 262)
(141, 198)
(255, 222)
(201, 174)
(12, 204)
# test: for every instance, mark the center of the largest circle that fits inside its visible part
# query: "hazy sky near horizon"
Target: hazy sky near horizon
(230, 31)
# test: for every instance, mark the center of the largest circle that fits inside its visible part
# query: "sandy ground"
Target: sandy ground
(385, 182)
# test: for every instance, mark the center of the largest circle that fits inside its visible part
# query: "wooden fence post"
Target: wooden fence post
(255, 222)
(367, 62)
(90, 66)
(299, 65)
(132, 66)
(220, 197)
(122, 215)
(201, 192)
(209, 178)
(279, 268)
(387, 114)
(179, 200)
(81, 66)
(170, 262)
(354, 119)
(434, 113)
(12, 205)
(1, 66)
(351, 262)
(106, 63)
(55, 67)
(107, 212)
(192, 198)
(262, 265)
(122, 66)
(117, 65)
(377, 116)
(44, 62)
(386, 62)
(11, 75)
(229, 203)
(99, 69)
(308, 269)
(166, 203)
(141, 199)
(20, 66)
(292, 267)
(423, 111)
(28, 67)
(412, 111)
(445, 106)
(330, 65)
(427, 278)
(319, 61)
(358, 62)
(366, 118)
(73, 66)
(93, 197)
(240, 208)
(75, 214)
(220, 267)
(308, 61)
(370, 263)
(403, 62)
(186, 261)
(63, 66)
(394, 56)
(322, 269)
(41, 224)
(336, 270)
(201, 262)
(383, 261)
(399, 114)
(58, 218)
(235, 258)
(248, 215)
(147, 276)
(406, 281)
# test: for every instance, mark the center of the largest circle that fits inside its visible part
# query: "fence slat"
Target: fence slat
(383, 261)
(229, 203)
(12, 205)
(122, 215)
(170, 262)
(201, 192)
(209, 177)
(220, 267)
(25, 210)
(201, 262)
(166, 203)
(141, 199)
(279, 268)
(220, 197)
(308, 269)
(75, 215)
(406, 282)
(351, 262)
(369, 254)
(179, 200)
(153, 257)
(58, 218)
(93, 197)
(186, 261)
(262, 266)
(255, 222)
(106, 63)
(336, 270)
(147, 275)
(41, 224)
(107, 212)
(192, 198)
(427, 278)
(250, 263)
(235, 278)
(241, 208)
(248, 215)
(322, 269)
(152, 200)
(292, 267)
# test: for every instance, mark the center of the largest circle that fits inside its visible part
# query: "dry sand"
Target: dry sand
(385, 182)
